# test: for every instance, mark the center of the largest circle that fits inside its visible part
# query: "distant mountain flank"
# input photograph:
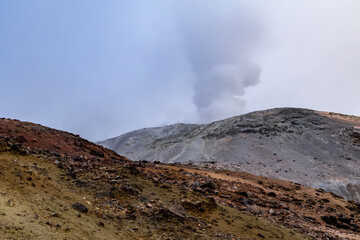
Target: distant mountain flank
(317, 149)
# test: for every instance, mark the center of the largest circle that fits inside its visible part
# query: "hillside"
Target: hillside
(64, 187)
(55, 185)
(317, 149)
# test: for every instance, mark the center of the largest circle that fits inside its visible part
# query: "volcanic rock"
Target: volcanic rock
(318, 149)
(80, 207)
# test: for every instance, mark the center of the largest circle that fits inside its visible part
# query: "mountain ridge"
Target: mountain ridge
(318, 149)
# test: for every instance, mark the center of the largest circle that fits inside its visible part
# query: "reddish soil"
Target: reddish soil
(314, 212)
(38, 137)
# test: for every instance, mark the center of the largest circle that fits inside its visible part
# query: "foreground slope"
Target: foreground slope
(318, 149)
(55, 185)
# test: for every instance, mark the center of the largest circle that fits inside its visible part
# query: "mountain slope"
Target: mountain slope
(64, 187)
(317, 149)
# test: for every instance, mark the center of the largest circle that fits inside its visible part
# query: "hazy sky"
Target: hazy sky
(102, 68)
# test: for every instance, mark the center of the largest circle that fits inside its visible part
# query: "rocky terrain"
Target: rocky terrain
(317, 149)
(56, 185)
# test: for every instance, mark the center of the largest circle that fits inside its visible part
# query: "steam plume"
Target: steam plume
(219, 39)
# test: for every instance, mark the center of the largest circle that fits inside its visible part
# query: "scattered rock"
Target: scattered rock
(260, 235)
(208, 184)
(71, 174)
(133, 170)
(176, 210)
(244, 194)
(345, 220)
(271, 212)
(80, 207)
(271, 194)
(101, 224)
(332, 220)
(246, 202)
(97, 153)
(55, 214)
(10, 203)
(56, 154)
(200, 206)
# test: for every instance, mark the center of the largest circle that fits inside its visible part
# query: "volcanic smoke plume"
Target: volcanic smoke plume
(219, 39)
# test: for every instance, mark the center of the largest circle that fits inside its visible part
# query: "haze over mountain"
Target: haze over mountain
(317, 149)
(97, 69)
(100, 68)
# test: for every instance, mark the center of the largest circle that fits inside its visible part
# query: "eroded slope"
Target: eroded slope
(64, 195)
(317, 149)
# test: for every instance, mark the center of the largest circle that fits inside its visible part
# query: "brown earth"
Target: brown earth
(55, 185)
(346, 118)
(312, 211)
(39, 138)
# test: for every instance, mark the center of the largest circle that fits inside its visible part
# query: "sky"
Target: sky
(102, 68)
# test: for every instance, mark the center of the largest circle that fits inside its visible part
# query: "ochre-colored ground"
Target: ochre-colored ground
(43, 172)
(290, 204)
(36, 198)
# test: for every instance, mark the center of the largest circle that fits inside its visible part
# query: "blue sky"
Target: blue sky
(101, 68)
